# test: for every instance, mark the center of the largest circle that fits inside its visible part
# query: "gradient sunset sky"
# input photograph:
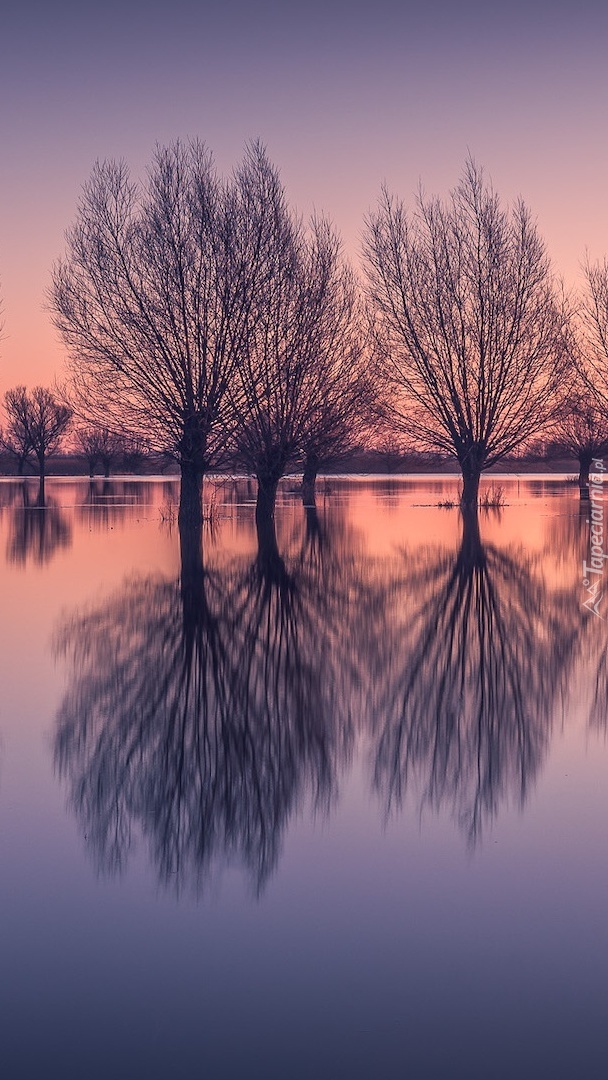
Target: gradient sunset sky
(345, 96)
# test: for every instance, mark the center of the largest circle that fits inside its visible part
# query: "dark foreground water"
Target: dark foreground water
(334, 808)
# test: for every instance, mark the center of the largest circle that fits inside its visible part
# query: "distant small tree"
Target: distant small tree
(470, 329)
(15, 438)
(98, 446)
(36, 422)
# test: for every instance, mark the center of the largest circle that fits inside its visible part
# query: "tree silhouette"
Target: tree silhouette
(204, 710)
(477, 650)
(473, 339)
(36, 531)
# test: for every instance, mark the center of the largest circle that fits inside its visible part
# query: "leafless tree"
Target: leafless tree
(468, 323)
(155, 297)
(36, 424)
(15, 436)
(98, 445)
(583, 430)
(299, 381)
(342, 387)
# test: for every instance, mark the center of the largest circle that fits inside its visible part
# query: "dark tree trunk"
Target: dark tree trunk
(584, 461)
(469, 497)
(269, 559)
(191, 495)
(309, 479)
(266, 498)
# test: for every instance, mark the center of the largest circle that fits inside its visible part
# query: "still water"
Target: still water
(331, 807)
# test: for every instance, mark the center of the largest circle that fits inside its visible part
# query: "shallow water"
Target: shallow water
(334, 808)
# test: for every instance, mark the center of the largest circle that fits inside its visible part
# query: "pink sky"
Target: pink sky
(344, 97)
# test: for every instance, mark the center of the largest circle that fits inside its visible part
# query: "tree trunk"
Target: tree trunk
(191, 495)
(584, 461)
(469, 497)
(309, 478)
(266, 498)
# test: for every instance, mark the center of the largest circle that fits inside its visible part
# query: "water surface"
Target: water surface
(330, 807)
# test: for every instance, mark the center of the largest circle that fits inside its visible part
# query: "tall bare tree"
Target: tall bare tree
(341, 390)
(469, 324)
(293, 387)
(155, 297)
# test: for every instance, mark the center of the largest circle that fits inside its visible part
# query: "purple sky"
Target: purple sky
(343, 96)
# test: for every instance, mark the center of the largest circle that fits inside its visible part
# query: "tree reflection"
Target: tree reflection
(106, 503)
(36, 530)
(476, 654)
(203, 711)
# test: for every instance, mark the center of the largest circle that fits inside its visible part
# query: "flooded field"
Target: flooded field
(330, 802)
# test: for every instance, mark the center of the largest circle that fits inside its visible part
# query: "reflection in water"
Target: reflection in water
(476, 651)
(37, 530)
(104, 503)
(203, 710)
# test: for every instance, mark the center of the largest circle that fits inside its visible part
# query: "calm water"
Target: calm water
(334, 808)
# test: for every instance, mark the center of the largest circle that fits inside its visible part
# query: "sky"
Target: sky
(345, 96)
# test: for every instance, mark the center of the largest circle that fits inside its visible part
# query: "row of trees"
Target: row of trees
(37, 423)
(204, 319)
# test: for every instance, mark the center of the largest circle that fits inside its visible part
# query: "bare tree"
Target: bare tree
(155, 296)
(583, 431)
(15, 437)
(98, 445)
(45, 422)
(341, 393)
(289, 380)
(468, 323)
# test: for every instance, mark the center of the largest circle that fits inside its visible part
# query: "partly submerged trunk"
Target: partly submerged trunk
(269, 559)
(193, 465)
(469, 497)
(309, 479)
(191, 495)
(268, 483)
(584, 461)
